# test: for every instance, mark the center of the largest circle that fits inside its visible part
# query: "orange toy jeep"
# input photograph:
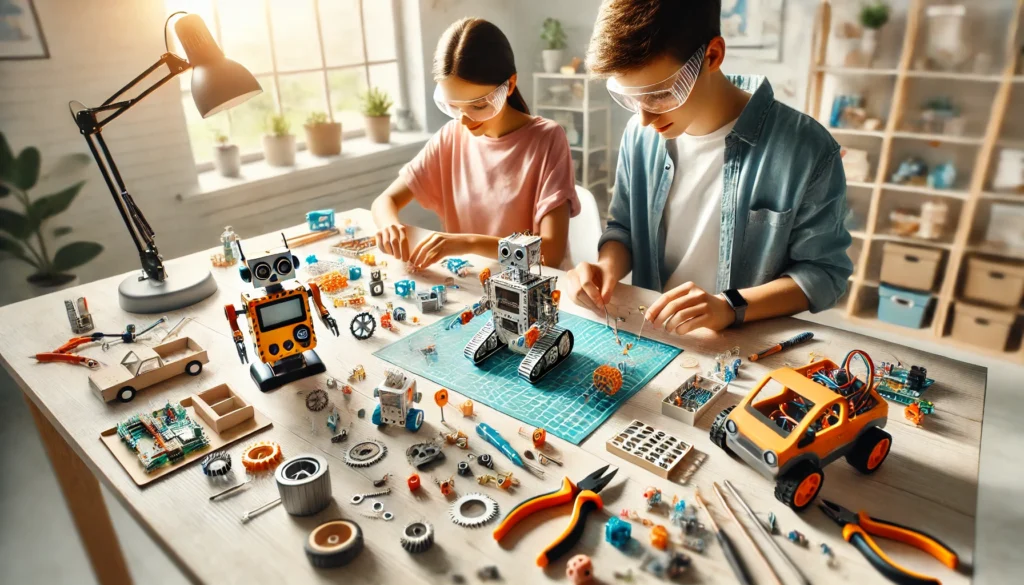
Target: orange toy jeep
(797, 421)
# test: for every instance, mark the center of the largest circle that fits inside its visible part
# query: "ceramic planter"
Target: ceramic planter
(552, 60)
(228, 160)
(868, 45)
(324, 139)
(279, 151)
(378, 129)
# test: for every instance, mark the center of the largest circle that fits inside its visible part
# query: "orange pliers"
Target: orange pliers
(65, 353)
(585, 498)
(858, 528)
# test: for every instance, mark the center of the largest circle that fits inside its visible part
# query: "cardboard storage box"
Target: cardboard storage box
(910, 267)
(982, 327)
(905, 308)
(994, 282)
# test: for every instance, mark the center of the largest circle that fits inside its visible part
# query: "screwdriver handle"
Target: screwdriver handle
(586, 502)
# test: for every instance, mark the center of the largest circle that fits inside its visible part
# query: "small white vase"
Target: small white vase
(227, 160)
(279, 151)
(868, 45)
(552, 60)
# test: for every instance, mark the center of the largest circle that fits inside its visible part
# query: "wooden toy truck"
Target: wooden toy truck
(143, 367)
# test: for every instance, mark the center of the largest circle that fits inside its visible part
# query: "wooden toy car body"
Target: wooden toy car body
(143, 367)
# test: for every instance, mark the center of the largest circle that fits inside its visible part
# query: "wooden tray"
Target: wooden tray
(130, 461)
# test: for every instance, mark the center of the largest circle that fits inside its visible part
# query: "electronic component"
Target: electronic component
(486, 510)
(376, 283)
(261, 456)
(693, 398)
(797, 538)
(655, 450)
(417, 537)
(317, 400)
(79, 316)
(162, 437)
(365, 453)
(216, 464)
(334, 544)
(304, 484)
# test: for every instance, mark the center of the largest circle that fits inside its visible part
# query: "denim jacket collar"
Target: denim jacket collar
(751, 121)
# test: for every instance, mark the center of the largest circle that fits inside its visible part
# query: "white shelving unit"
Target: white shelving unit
(586, 110)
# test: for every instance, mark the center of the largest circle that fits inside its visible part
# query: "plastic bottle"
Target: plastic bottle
(227, 240)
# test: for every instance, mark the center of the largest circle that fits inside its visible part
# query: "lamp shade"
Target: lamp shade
(218, 83)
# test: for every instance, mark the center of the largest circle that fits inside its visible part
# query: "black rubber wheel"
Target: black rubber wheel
(334, 544)
(870, 450)
(126, 394)
(194, 368)
(800, 485)
(718, 430)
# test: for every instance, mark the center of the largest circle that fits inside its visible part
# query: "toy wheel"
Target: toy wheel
(363, 325)
(565, 343)
(413, 420)
(800, 485)
(375, 417)
(870, 450)
(718, 430)
(334, 543)
(194, 367)
(125, 394)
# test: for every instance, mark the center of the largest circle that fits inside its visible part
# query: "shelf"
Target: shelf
(947, 138)
(592, 150)
(1005, 197)
(596, 108)
(1003, 355)
(835, 70)
(856, 132)
(954, 75)
(1010, 143)
(870, 319)
(991, 250)
(951, 193)
(912, 241)
(864, 184)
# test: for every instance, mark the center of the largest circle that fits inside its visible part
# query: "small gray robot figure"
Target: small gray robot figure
(524, 311)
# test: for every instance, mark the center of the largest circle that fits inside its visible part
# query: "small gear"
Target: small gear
(417, 537)
(317, 400)
(216, 464)
(261, 456)
(365, 453)
(362, 326)
(464, 505)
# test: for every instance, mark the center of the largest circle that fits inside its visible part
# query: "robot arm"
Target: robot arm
(325, 316)
(232, 316)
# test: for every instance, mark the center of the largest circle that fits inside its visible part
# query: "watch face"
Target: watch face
(735, 298)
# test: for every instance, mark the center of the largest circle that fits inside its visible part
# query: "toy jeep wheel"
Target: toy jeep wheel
(125, 394)
(870, 450)
(194, 368)
(800, 485)
(718, 429)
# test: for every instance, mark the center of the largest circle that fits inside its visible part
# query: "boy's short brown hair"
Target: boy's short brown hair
(629, 33)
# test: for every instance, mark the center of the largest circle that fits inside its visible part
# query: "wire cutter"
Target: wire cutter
(66, 353)
(585, 500)
(858, 528)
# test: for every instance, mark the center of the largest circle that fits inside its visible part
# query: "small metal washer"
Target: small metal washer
(378, 506)
(388, 516)
(357, 499)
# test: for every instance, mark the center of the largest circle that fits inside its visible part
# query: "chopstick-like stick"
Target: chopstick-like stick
(746, 534)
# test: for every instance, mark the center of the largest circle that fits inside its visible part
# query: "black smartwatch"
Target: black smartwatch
(738, 304)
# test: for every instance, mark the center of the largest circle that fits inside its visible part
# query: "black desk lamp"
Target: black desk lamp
(218, 83)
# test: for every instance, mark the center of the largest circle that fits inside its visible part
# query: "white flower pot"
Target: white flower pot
(279, 151)
(868, 45)
(378, 129)
(227, 160)
(552, 60)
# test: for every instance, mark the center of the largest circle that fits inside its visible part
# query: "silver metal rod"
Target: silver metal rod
(257, 511)
(789, 562)
(231, 489)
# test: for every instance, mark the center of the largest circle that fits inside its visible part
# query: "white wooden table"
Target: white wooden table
(930, 480)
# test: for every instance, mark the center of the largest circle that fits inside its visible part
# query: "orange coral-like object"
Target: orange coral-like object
(532, 336)
(659, 537)
(913, 414)
(332, 282)
(485, 274)
(261, 456)
(608, 379)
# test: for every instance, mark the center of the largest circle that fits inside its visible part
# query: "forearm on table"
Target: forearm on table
(482, 245)
(615, 259)
(778, 298)
(386, 206)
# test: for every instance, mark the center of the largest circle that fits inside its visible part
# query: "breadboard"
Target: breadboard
(655, 450)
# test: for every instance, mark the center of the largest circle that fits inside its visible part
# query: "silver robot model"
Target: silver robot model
(524, 312)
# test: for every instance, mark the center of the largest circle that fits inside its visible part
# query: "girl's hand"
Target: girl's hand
(688, 307)
(437, 246)
(394, 240)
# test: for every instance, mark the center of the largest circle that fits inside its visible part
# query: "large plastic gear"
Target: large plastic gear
(362, 326)
(417, 537)
(317, 400)
(261, 456)
(216, 464)
(365, 453)
(460, 507)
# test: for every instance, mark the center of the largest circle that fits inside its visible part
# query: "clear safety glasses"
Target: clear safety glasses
(663, 96)
(478, 110)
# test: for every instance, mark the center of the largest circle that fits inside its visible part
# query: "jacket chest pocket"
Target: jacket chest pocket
(766, 242)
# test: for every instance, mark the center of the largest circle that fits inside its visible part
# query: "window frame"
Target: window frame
(324, 70)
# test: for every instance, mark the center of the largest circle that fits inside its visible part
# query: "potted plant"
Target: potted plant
(25, 235)
(279, 142)
(323, 137)
(377, 113)
(554, 42)
(226, 157)
(873, 16)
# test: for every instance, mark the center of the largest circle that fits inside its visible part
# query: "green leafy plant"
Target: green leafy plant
(22, 232)
(278, 125)
(552, 34)
(317, 118)
(376, 103)
(874, 15)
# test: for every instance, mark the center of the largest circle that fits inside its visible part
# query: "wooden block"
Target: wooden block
(222, 408)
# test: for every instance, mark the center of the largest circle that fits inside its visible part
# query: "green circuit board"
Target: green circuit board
(162, 437)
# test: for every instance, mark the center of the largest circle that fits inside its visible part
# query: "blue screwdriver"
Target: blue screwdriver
(493, 437)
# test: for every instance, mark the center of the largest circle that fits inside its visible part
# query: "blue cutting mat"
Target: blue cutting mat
(564, 402)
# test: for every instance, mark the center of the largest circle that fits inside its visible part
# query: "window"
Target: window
(309, 56)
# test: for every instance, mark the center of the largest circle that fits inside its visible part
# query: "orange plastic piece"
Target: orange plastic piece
(505, 482)
(414, 482)
(441, 397)
(485, 274)
(385, 321)
(608, 379)
(466, 316)
(466, 408)
(914, 414)
(261, 456)
(539, 437)
(447, 486)
(659, 537)
(532, 336)
(556, 295)
(332, 282)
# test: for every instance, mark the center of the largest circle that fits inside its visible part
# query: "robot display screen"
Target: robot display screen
(508, 300)
(285, 312)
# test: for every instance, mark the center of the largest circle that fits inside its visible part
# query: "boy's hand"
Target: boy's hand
(437, 246)
(590, 286)
(688, 307)
(394, 240)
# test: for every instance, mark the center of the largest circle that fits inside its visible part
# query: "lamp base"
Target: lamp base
(184, 286)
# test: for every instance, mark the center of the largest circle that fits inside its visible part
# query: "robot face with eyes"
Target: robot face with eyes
(271, 269)
(519, 251)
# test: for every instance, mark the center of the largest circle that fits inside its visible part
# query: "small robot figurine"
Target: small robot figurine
(524, 312)
(280, 325)
(396, 395)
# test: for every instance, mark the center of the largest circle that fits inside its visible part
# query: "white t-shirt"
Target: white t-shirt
(693, 212)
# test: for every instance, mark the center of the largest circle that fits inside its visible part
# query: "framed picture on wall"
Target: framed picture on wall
(753, 28)
(21, 36)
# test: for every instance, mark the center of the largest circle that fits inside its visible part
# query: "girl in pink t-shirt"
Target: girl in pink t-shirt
(491, 171)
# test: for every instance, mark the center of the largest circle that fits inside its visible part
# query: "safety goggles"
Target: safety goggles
(479, 110)
(663, 96)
